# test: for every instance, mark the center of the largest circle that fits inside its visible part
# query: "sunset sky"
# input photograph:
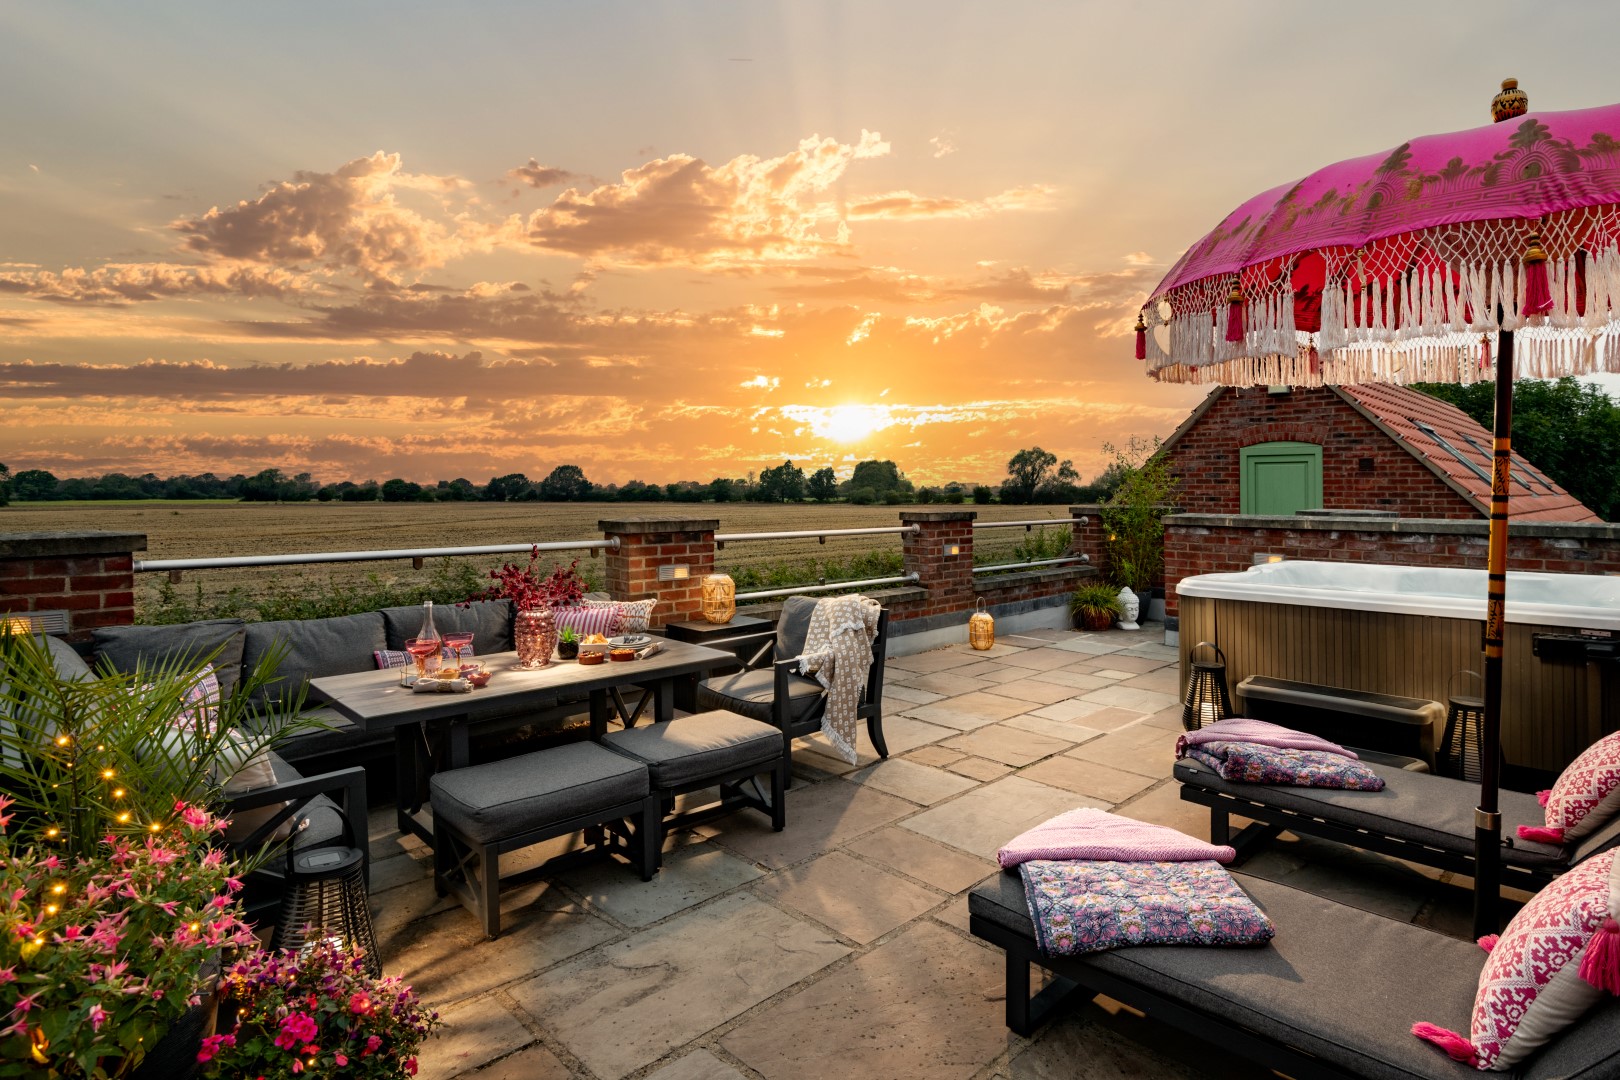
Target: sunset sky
(663, 240)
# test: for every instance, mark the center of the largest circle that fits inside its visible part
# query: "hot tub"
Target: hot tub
(1408, 630)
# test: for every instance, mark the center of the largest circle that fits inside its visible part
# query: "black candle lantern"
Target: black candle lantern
(326, 898)
(1460, 754)
(1207, 698)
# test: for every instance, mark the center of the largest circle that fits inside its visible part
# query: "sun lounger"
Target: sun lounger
(1420, 817)
(1334, 995)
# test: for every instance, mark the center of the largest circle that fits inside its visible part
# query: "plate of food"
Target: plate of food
(629, 641)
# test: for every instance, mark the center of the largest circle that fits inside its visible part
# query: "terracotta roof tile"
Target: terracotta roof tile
(1452, 443)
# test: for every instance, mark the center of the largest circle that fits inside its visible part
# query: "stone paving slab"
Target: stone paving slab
(1033, 691)
(1052, 729)
(968, 711)
(984, 819)
(937, 660)
(993, 672)
(1032, 639)
(688, 877)
(1008, 745)
(924, 1006)
(820, 817)
(1072, 709)
(475, 1033)
(698, 1065)
(1150, 751)
(1074, 679)
(627, 1005)
(1000, 648)
(911, 695)
(1087, 646)
(912, 781)
(926, 860)
(981, 769)
(858, 900)
(944, 682)
(535, 1063)
(1087, 778)
(1126, 697)
(1040, 659)
(937, 756)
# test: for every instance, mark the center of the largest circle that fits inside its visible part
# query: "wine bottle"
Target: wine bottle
(428, 631)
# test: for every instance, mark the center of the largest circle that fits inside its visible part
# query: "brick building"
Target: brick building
(1373, 447)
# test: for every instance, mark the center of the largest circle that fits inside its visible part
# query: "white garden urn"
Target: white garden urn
(1131, 605)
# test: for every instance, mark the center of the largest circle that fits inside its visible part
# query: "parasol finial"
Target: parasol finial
(1509, 101)
(1141, 336)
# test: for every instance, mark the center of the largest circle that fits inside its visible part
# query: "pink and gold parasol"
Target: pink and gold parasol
(1451, 258)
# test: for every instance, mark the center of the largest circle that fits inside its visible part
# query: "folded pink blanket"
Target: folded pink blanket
(1242, 729)
(1097, 834)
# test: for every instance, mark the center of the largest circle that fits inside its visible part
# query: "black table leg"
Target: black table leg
(599, 714)
(663, 700)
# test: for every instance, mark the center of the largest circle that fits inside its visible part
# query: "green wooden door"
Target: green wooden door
(1280, 478)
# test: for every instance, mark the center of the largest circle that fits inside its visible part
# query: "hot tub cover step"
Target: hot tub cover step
(690, 749)
(487, 803)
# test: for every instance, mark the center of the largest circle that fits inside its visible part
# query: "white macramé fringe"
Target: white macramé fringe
(1413, 327)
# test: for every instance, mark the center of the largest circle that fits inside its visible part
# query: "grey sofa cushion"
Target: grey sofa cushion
(70, 666)
(792, 626)
(315, 647)
(1420, 807)
(752, 692)
(692, 749)
(489, 622)
(509, 798)
(1339, 983)
(124, 648)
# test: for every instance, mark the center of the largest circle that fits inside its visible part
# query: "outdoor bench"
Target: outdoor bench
(1332, 996)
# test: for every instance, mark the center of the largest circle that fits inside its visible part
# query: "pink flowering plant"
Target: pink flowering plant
(101, 953)
(317, 1012)
(529, 591)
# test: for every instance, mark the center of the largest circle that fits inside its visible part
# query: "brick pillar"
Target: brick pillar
(89, 575)
(1090, 538)
(948, 578)
(645, 544)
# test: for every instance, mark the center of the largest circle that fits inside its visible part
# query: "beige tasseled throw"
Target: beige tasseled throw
(838, 652)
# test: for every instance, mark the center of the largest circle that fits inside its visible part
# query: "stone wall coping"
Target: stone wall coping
(636, 526)
(1037, 576)
(1405, 526)
(938, 515)
(67, 544)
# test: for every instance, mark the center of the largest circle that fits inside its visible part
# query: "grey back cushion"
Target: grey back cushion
(70, 667)
(488, 621)
(793, 625)
(125, 648)
(315, 648)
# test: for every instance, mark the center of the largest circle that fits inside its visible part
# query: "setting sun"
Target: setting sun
(850, 423)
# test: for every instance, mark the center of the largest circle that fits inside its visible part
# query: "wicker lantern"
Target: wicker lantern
(326, 898)
(1207, 699)
(1460, 756)
(719, 598)
(981, 627)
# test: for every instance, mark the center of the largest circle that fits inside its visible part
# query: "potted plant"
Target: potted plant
(534, 628)
(568, 643)
(316, 1011)
(1133, 515)
(1094, 607)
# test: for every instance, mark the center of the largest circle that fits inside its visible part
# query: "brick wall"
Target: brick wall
(645, 544)
(1209, 544)
(1362, 467)
(946, 578)
(89, 575)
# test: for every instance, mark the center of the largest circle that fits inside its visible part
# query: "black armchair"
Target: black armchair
(768, 687)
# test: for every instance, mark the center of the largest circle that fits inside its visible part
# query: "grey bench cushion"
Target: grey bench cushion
(1418, 807)
(1342, 984)
(503, 799)
(692, 749)
(751, 693)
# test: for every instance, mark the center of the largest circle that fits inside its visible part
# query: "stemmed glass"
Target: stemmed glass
(459, 646)
(421, 649)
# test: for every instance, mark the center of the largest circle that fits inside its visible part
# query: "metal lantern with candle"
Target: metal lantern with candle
(1207, 697)
(981, 627)
(719, 598)
(1459, 747)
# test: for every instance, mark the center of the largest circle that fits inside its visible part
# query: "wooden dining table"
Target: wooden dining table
(375, 701)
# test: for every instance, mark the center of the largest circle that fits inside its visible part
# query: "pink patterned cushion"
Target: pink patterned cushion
(1587, 793)
(1534, 984)
(635, 616)
(588, 620)
(391, 658)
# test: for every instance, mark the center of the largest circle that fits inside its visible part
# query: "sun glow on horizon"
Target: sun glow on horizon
(849, 423)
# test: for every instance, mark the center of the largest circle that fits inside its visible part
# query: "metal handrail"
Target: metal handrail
(1032, 523)
(722, 539)
(175, 566)
(990, 568)
(906, 579)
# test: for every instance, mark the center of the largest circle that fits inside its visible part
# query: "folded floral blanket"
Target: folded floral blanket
(1253, 763)
(1097, 834)
(1082, 907)
(1242, 729)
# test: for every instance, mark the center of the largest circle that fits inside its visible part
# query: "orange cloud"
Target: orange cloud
(681, 210)
(906, 206)
(123, 283)
(537, 175)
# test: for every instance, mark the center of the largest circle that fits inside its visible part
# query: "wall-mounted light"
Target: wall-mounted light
(1261, 557)
(674, 573)
(34, 622)
(953, 549)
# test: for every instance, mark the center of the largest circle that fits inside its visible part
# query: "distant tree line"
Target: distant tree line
(1034, 476)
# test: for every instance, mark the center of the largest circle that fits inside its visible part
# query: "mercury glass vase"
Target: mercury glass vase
(534, 636)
